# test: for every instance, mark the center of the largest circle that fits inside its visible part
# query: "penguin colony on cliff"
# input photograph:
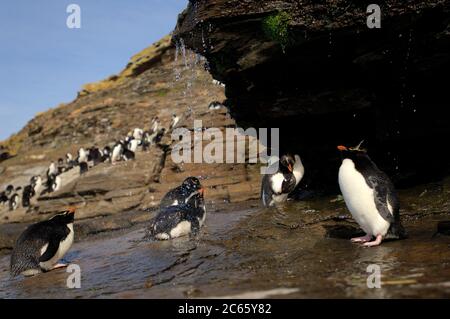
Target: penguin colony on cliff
(123, 150)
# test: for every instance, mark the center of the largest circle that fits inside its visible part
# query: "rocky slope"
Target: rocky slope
(316, 70)
(159, 81)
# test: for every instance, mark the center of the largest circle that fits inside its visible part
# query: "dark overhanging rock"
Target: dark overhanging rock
(334, 80)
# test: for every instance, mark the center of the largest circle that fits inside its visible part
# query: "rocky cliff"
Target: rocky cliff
(159, 81)
(315, 69)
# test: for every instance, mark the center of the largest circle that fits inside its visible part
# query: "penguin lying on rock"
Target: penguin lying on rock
(179, 220)
(370, 197)
(42, 245)
(181, 194)
(276, 187)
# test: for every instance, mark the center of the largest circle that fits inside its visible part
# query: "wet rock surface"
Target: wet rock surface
(318, 72)
(230, 256)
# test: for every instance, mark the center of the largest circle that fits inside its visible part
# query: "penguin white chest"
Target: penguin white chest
(116, 153)
(359, 198)
(182, 229)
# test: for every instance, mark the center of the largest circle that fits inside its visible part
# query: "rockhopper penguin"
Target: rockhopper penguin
(180, 220)
(276, 187)
(370, 197)
(42, 245)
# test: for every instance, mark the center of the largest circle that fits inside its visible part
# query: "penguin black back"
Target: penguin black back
(28, 193)
(180, 194)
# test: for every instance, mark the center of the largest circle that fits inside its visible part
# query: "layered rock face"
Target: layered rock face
(318, 72)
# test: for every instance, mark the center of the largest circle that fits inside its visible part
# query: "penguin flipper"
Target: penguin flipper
(380, 192)
(266, 191)
(50, 252)
(53, 243)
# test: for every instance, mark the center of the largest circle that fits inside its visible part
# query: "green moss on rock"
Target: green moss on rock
(276, 28)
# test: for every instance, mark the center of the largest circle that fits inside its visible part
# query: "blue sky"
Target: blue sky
(44, 63)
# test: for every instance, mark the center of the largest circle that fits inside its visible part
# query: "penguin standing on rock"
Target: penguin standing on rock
(180, 220)
(181, 194)
(4, 196)
(14, 201)
(106, 153)
(127, 153)
(62, 167)
(370, 197)
(28, 193)
(51, 184)
(82, 156)
(276, 187)
(52, 169)
(95, 155)
(133, 145)
(174, 121)
(138, 134)
(42, 245)
(117, 152)
(82, 161)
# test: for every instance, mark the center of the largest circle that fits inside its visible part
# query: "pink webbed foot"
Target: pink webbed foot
(376, 242)
(362, 239)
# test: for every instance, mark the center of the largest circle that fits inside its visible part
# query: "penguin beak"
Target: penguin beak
(72, 209)
(342, 148)
(290, 168)
(201, 191)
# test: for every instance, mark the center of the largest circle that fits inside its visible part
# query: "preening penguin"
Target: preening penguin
(181, 194)
(370, 197)
(42, 245)
(179, 220)
(276, 187)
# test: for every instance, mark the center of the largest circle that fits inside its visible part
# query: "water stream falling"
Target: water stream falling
(186, 73)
